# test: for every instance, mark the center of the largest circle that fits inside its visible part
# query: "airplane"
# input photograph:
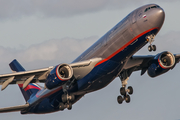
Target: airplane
(110, 57)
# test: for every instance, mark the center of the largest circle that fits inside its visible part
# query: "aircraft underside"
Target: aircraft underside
(110, 57)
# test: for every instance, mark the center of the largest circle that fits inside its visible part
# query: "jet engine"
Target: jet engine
(162, 63)
(59, 75)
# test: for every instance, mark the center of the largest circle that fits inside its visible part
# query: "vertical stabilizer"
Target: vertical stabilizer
(32, 88)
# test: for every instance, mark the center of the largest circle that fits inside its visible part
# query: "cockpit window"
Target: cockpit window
(156, 6)
(147, 9)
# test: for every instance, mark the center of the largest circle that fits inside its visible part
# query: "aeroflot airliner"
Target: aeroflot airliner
(110, 57)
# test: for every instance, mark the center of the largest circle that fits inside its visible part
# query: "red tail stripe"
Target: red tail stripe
(29, 87)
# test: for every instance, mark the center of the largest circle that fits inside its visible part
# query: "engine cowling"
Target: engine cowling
(162, 63)
(59, 75)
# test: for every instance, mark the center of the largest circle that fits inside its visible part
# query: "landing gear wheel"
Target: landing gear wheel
(64, 98)
(61, 106)
(69, 106)
(123, 91)
(120, 99)
(127, 98)
(150, 48)
(130, 90)
(154, 47)
(72, 97)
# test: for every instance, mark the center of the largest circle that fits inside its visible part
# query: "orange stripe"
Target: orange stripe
(127, 44)
(161, 65)
(58, 75)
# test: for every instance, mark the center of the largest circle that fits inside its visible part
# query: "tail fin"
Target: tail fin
(31, 88)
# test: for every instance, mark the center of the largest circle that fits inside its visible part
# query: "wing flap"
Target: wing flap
(14, 108)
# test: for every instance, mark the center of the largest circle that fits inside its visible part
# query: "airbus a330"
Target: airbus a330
(110, 57)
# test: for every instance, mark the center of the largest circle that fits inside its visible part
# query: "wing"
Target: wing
(33, 76)
(13, 109)
(80, 69)
(142, 63)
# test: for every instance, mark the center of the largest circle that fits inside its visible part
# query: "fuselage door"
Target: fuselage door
(134, 18)
(134, 27)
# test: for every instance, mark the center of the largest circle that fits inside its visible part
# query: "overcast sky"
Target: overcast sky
(42, 33)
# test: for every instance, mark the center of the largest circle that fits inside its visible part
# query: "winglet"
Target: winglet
(16, 67)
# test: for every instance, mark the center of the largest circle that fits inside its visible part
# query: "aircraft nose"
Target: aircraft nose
(157, 17)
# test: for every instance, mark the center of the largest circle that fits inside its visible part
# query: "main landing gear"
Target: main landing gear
(125, 93)
(150, 39)
(67, 100)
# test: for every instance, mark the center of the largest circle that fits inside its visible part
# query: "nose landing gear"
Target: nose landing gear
(150, 39)
(152, 48)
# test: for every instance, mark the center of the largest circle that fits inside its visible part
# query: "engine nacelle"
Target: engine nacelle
(59, 75)
(162, 63)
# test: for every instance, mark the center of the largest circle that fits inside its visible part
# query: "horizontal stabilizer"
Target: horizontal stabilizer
(13, 109)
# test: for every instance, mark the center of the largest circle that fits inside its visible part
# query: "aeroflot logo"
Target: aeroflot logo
(144, 16)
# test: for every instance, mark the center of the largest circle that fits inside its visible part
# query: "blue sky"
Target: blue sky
(45, 33)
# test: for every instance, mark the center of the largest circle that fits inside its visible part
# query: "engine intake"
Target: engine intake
(64, 72)
(162, 63)
(59, 75)
(166, 60)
